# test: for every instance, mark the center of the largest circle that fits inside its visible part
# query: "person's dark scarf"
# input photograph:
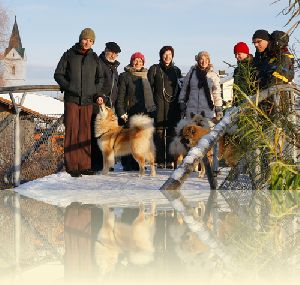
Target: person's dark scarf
(166, 67)
(202, 83)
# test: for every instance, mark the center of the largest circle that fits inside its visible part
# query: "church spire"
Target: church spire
(15, 40)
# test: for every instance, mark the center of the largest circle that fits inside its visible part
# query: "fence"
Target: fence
(31, 143)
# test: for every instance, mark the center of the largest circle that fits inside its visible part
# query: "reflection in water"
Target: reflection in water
(129, 243)
(142, 244)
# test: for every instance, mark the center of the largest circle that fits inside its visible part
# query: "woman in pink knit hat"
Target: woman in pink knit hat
(245, 82)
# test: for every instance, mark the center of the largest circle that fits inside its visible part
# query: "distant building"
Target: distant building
(227, 89)
(226, 86)
(13, 61)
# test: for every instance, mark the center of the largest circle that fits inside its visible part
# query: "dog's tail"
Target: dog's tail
(142, 122)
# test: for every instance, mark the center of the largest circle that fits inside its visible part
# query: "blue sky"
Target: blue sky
(49, 27)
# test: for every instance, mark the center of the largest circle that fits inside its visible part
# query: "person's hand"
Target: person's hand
(100, 101)
(219, 116)
(152, 114)
(124, 117)
(219, 113)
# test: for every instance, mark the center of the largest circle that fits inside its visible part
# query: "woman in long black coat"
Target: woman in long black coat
(134, 97)
(164, 80)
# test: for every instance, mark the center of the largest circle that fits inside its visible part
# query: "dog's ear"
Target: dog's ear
(192, 115)
(203, 114)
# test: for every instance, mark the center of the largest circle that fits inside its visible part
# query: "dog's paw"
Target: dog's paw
(142, 172)
(104, 171)
(201, 174)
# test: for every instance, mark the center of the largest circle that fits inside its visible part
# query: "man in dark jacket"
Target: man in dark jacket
(164, 78)
(80, 77)
(261, 40)
(109, 90)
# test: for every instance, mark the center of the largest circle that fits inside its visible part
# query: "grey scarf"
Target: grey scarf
(148, 95)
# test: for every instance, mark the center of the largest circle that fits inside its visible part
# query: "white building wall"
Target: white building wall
(14, 69)
(227, 89)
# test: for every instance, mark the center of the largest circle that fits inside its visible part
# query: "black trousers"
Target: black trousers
(162, 140)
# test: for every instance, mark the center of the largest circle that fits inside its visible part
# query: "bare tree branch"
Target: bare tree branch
(293, 11)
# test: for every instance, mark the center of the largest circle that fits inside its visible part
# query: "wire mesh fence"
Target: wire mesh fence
(42, 140)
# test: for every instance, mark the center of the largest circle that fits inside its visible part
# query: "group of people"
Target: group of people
(89, 80)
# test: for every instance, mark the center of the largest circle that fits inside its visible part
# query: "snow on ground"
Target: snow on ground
(117, 188)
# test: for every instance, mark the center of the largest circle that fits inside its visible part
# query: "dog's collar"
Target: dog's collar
(102, 134)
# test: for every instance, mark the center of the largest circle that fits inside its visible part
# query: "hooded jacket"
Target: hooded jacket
(79, 75)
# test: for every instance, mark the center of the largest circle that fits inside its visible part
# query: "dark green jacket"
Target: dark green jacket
(79, 75)
(244, 79)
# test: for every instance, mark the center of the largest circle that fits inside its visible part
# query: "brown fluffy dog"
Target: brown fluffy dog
(188, 132)
(191, 134)
(114, 140)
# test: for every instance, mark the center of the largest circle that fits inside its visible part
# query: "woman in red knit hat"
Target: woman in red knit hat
(134, 97)
(245, 82)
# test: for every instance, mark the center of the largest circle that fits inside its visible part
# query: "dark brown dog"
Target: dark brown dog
(191, 134)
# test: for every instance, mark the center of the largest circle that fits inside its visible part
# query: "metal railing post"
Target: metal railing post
(17, 150)
(17, 143)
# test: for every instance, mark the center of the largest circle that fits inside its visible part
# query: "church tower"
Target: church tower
(14, 60)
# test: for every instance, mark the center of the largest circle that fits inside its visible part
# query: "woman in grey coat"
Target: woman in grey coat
(201, 91)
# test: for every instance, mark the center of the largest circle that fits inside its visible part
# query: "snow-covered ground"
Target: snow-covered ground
(117, 188)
